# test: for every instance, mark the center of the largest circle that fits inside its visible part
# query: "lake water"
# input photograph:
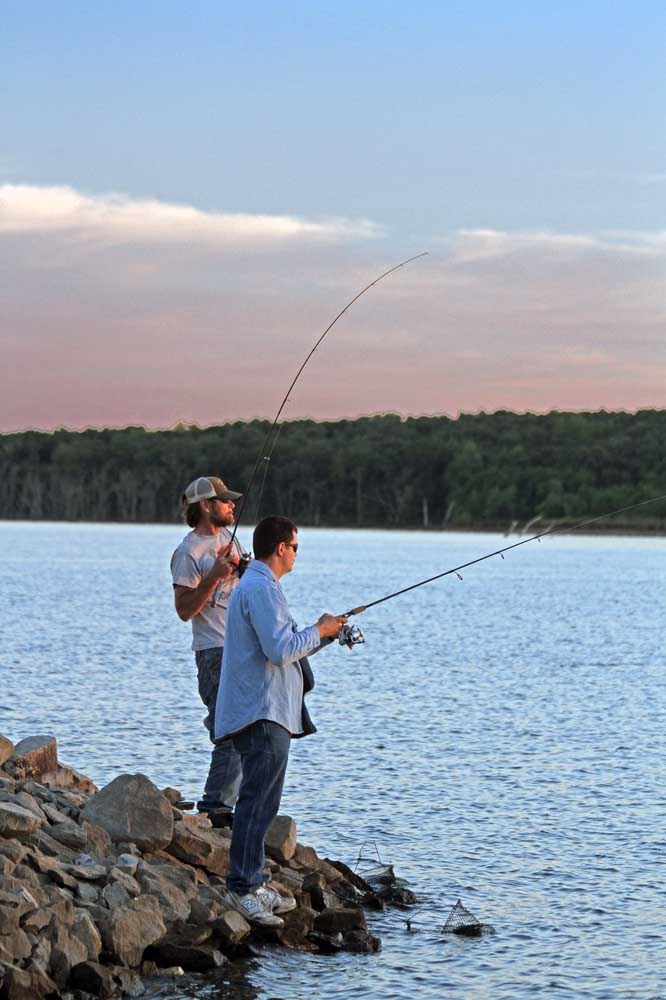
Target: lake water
(500, 739)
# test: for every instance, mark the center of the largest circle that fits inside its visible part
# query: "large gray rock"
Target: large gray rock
(132, 808)
(6, 749)
(34, 756)
(15, 821)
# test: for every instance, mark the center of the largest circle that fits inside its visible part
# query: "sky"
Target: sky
(191, 191)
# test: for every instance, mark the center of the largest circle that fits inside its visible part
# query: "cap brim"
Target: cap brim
(229, 495)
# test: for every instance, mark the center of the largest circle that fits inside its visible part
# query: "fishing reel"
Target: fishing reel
(243, 563)
(350, 635)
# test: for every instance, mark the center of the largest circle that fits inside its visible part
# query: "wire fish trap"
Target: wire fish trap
(461, 921)
(383, 885)
(373, 870)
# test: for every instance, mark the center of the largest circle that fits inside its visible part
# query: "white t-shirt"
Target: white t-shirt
(191, 561)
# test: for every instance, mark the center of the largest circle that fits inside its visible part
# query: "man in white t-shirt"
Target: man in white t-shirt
(204, 568)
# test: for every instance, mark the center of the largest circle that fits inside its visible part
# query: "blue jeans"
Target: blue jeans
(224, 775)
(264, 752)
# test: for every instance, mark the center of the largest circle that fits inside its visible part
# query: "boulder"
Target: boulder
(316, 886)
(31, 983)
(17, 945)
(13, 850)
(191, 954)
(306, 857)
(127, 863)
(106, 981)
(21, 798)
(173, 901)
(59, 902)
(44, 842)
(183, 876)
(115, 895)
(34, 756)
(87, 892)
(69, 834)
(281, 839)
(340, 921)
(53, 814)
(67, 950)
(127, 932)
(197, 846)
(132, 808)
(17, 822)
(98, 841)
(86, 932)
(298, 924)
(361, 942)
(86, 870)
(231, 928)
(68, 777)
(6, 749)
(129, 884)
(51, 867)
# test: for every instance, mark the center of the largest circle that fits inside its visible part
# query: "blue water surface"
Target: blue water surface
(498, 739)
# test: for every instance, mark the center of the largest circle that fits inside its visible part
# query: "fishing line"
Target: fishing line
(499, 552)
(264, 448)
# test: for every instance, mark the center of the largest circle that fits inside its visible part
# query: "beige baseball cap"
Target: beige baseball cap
(207, 487)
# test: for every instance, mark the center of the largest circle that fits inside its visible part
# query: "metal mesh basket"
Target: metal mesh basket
(461, 921)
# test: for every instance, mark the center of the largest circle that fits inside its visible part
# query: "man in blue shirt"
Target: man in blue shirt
(260, 706)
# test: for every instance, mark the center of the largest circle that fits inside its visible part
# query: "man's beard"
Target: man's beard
(221, 522)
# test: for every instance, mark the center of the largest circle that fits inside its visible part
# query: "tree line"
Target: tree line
(477, 470)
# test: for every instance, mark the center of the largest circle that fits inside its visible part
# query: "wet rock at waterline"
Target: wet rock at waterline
(100, 888)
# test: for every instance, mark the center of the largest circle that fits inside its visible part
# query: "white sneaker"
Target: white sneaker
(274, 901)
(254, 908)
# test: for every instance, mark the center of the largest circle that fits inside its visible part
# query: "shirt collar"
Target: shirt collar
(260, 567)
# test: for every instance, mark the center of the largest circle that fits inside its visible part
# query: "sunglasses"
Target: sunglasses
(292, 545)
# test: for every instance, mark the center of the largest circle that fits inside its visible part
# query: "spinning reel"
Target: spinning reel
(350, 635)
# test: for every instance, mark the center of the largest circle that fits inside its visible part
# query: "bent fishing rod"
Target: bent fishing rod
(352, 630)
(264, 448)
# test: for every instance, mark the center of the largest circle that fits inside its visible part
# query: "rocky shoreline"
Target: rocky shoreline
(101, 889)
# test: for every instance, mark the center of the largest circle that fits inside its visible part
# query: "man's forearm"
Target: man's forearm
(189, 601)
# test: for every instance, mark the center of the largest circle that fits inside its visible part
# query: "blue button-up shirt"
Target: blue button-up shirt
(261, 677)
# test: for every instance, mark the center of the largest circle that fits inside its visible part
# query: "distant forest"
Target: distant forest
(483, 470)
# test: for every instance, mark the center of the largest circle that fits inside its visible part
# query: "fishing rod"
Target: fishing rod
(353, 633)
(267, 457)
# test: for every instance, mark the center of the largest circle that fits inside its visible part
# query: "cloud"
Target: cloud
(484, 244)
(108, 323)
(118, 217)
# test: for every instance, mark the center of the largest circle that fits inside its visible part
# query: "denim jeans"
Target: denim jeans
(264, 752)
(224, 775)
